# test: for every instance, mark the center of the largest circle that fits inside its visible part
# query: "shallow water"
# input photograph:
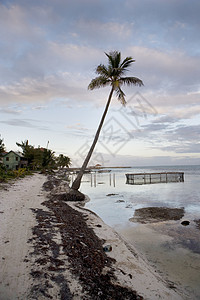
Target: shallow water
(170, 247)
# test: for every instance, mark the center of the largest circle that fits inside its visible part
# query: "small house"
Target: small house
(14, 160)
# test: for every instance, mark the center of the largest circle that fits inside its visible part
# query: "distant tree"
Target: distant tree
(111, 75)
(48, 159)
(2, 147)
(63, 161)
(38, 158)
(2, 150)
(28, 151)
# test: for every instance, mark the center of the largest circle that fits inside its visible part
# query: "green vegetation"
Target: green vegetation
(37, 159)
(42, 158)
(110, 75)
(2, 147)
(6, 175)
(63, 161)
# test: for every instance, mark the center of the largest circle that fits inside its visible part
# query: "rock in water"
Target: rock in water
(185, 223)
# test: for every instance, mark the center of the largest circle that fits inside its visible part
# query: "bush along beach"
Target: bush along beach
(6, 175)
(14, 164)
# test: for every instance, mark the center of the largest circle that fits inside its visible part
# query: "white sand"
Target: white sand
(16, 221)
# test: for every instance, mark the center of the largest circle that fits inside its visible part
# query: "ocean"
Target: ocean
(171, 248)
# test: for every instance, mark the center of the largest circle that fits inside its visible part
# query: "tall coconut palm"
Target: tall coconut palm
(111, 75)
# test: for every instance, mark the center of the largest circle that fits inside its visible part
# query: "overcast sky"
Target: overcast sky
(49, 50)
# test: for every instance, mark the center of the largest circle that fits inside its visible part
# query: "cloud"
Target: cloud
(44, 40)
(75, 58)
(171, 23)
(29, 90)
(77, 127)
(178, 139)
(50, 49)
(24, 123)
(138, 161)
(79, 131)
(40, 107)
(187, 112)
(155, 22)
(94, 31)
(10, 111)
(165, 119)
(168, 72)
(188, 133)
(186, 148)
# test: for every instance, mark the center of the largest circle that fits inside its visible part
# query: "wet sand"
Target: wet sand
(46, 255)
(171, 243)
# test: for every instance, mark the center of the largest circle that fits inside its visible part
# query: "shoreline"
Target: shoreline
(21, 207)
(129, 261)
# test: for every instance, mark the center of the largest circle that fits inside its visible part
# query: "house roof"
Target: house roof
(16, 153)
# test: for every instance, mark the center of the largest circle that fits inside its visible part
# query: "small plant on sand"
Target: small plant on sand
(6, 175)
(20, 173)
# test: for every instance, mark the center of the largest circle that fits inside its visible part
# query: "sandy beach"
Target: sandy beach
(52, 249)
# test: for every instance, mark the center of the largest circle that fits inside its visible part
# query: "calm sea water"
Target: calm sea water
(179, 194)
(174, 250)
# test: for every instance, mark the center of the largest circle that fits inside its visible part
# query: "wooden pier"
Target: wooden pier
(149, 178)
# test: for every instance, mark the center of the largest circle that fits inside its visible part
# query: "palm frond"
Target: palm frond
(114, 58)
(102, 70)
(99, 82)
(117, 69)
(120, 95)
(117, 59)
(110, 60)
(113, 74)
(127, 62)
(131, 81)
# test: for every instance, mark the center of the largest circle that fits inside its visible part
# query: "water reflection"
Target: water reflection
(94, 179)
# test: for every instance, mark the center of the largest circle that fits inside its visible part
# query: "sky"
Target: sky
(49, 50)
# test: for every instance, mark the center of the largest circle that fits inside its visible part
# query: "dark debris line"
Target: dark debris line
(47, 268)
(84, 253)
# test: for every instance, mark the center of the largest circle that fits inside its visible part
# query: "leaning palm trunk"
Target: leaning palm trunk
(111, 75)
(77, 182)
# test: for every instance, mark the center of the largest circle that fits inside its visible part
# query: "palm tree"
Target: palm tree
(63, 161)
(111, 75)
